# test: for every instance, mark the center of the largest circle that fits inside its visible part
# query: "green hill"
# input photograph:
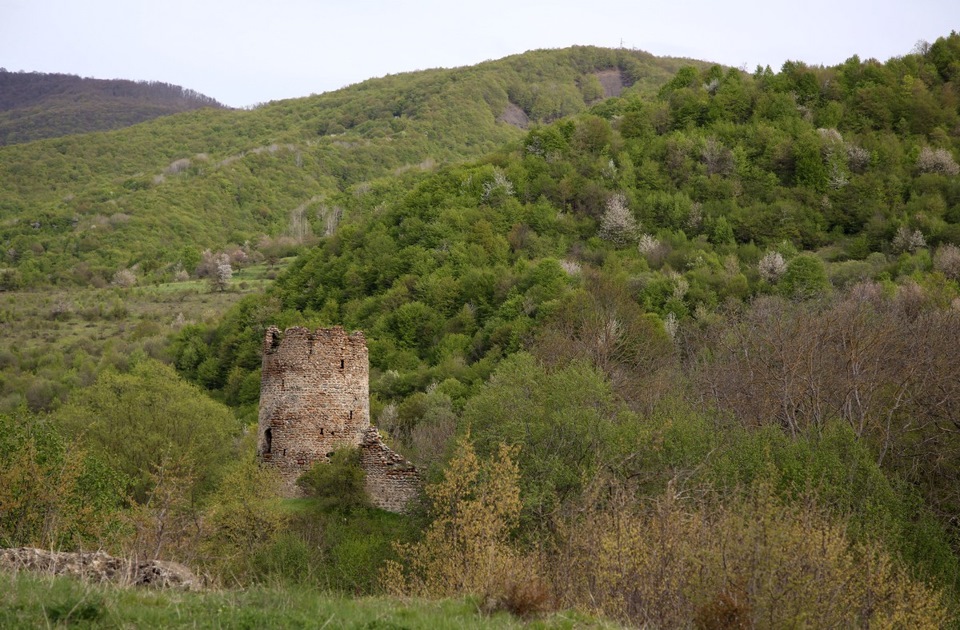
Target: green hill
(77, 209)
(679, 196)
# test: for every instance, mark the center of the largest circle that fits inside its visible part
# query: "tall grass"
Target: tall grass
(29, 601)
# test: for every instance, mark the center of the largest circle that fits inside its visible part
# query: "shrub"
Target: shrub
(498, 189)
(653, 249)
(805, 278)
(567, 420)
(287, 559)
(139, 418)
(53, 494)
(245, 521)
(524, 598)
(749, 562)
(337, 484)
(165, 524)
(466, 549)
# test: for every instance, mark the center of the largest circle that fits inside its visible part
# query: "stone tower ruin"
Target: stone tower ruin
(314, 399)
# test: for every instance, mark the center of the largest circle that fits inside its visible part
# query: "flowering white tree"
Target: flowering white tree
(906, 240)
(648, 244)
(220, 279)
(858, 158)
(671, 325)
(937, 161)
(772, 266)
(497, 189)
(618, 225)
(947, 261)
(124, 278)
(717, 159)
(571, 267)
(179, 273)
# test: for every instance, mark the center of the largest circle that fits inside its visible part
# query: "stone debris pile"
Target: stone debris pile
(99, 566)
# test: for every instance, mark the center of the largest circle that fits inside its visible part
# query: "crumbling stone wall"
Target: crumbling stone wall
(314, 399)
(392, 482)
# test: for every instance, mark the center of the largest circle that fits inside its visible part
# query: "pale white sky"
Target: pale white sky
(242, 52)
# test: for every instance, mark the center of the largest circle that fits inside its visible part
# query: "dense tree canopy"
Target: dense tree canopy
(146, 417)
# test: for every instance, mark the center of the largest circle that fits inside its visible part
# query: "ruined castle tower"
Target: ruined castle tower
(315, 398)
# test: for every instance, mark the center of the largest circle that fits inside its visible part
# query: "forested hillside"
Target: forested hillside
(80, 208)
(37, 105)
(686, 356)
(749, 279)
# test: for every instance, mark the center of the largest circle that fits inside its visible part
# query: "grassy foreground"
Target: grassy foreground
(29, 601)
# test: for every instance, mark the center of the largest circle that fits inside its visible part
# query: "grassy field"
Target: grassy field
(28, 601)
(59, 339)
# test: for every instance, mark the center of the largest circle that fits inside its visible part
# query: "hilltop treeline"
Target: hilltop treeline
(37, 105)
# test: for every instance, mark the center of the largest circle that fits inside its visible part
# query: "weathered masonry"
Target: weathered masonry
(315, 398)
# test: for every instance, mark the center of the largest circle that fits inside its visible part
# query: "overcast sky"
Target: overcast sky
(243, 52)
